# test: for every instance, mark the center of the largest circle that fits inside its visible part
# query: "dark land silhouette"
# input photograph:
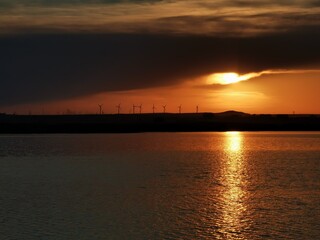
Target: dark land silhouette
(158, 122)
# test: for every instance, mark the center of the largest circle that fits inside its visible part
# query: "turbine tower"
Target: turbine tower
(133, 108)
(180, 108)
(100, 108)
(118, 107)
(164, 108)
(197, 109)
(140, 108)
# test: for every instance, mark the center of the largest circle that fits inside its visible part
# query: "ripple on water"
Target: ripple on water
(160, 186)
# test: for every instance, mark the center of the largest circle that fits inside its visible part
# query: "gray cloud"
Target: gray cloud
(13, 3)
(175, 17)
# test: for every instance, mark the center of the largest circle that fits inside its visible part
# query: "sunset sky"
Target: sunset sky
(71, 55)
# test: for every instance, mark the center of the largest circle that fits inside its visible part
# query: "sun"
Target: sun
(228, 78)
(224, 78)
(231, 77)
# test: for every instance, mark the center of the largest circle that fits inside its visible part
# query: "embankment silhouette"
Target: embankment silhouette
(158, 122)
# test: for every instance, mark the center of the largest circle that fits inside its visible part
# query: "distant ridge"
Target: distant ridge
(232, 113)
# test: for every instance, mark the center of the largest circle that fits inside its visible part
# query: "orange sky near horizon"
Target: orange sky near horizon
(270, 93)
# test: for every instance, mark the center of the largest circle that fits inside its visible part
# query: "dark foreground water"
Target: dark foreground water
(160, 186)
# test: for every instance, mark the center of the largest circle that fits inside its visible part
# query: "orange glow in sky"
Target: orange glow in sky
(270, 93)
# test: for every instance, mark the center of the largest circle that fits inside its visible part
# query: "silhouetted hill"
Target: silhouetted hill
(232, 113)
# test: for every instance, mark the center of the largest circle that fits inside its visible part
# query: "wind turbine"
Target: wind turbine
(100, 108)
(164, 108)
(153, 108)
(133, 108)
(197, 108)
(118, 107)
(140, 108)
(180, 108)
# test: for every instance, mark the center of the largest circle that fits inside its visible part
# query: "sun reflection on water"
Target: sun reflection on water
(234, 143)
(233, 193)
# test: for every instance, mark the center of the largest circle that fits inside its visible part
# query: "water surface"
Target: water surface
(233, 185)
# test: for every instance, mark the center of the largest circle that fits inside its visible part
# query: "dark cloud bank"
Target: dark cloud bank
(43, 67)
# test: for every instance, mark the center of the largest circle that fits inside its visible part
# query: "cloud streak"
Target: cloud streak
(217, 79)
(176, 17)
